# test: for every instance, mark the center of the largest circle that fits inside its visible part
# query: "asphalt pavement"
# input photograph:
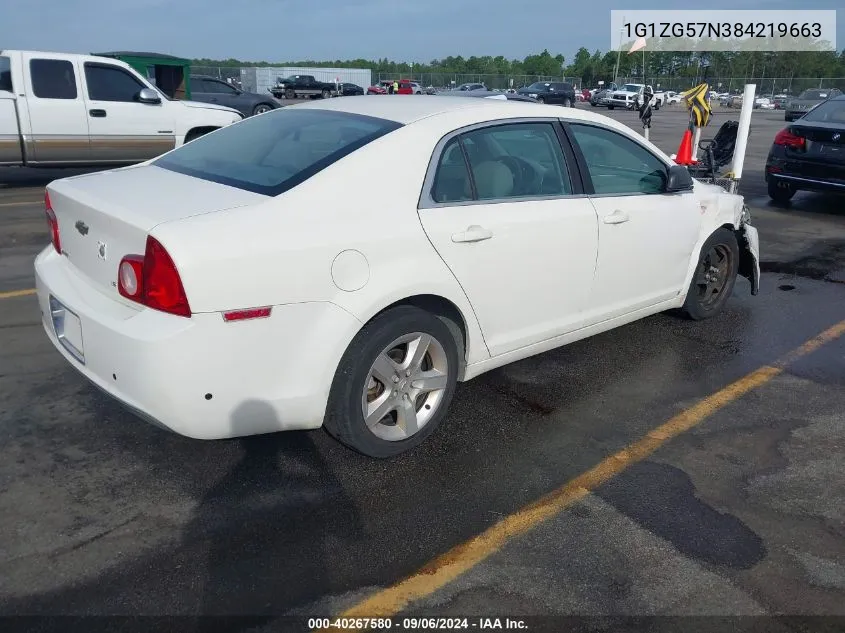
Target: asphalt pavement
(663, 468)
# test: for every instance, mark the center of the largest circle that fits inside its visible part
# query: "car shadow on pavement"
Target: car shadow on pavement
(253, 519)
(256, 545)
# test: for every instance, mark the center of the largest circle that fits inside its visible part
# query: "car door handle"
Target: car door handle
(473, 233)
(97, 113)
(617, 217)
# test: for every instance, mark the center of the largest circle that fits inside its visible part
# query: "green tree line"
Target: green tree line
(595, 66)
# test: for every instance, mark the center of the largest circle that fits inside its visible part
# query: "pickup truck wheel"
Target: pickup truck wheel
(326, 94)
(541, 100)
(290, 94)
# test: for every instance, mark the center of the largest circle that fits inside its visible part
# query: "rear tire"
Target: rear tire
(714, 276)
(781, 191)
(261, 108)
(371, 374)
(567, 103)
(541, 100)
(290, 94)
(326, 94)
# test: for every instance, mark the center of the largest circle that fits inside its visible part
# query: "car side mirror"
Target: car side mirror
(148, 95)
(678, 179)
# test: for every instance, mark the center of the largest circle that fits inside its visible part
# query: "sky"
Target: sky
(291, 30)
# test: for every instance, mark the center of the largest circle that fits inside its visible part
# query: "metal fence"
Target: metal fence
(451, 80)
(765, 85)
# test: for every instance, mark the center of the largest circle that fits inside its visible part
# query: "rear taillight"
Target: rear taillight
(153, 281)
(787, 139)
(130, 277)
(52, 223)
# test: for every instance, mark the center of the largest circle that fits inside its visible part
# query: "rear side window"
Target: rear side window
(53, 79)
(5, 74)
(110, 83)
(273, 153)
(452, 182)
(517, 161)
(828, 112)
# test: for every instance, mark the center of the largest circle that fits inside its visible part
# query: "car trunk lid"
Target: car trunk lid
(825, 142)
(103, 217)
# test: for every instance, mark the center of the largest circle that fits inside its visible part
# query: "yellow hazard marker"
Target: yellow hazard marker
(698, 105)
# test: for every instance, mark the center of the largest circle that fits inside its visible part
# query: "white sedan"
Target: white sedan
(250, 282)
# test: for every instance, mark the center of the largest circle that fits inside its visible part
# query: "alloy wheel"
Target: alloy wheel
(712, 275)
(405, 386)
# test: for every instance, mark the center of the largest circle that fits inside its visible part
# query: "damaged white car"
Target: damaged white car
(218, 292)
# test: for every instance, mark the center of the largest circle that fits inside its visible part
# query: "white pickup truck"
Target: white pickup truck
(629, 95)
(59, 110)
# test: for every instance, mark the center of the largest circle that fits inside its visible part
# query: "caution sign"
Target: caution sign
(698, 105)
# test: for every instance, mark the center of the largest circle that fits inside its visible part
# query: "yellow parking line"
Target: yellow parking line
(17, 293)
(465, 556)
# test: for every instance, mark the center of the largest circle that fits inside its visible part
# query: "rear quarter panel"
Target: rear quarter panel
(283, 250)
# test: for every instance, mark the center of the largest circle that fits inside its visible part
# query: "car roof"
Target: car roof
(409, 109)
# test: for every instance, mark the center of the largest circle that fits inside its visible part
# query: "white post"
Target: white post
(645, 133)
(696, 138)
(742, 133)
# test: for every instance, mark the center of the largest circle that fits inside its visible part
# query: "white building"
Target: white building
(259, 79)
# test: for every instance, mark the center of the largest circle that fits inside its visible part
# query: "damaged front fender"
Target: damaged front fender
(749, 250)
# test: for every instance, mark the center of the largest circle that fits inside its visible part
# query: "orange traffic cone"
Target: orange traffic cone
(684, 156)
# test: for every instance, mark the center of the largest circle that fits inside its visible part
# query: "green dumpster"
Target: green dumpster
(170, 74)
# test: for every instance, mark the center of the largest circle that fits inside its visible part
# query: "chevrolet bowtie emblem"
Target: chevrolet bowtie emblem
(81, 227)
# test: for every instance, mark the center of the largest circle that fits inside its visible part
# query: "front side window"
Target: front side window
(218, 87)
(272, 154)
(617, 164)
(110, 83)
(53, 79)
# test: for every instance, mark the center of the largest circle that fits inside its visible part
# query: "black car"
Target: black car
(211, 90)
(551, 92)
(810, 153)
(350, 90)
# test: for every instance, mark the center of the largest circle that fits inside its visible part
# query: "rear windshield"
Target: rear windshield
(814, 94)
(827, 112)
(272, 153)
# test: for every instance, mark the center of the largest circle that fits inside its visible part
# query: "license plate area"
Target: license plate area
(68, 329)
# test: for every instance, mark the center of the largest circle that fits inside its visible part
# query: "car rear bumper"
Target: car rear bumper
(808, 184)
(806, 175)
(200, 377)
